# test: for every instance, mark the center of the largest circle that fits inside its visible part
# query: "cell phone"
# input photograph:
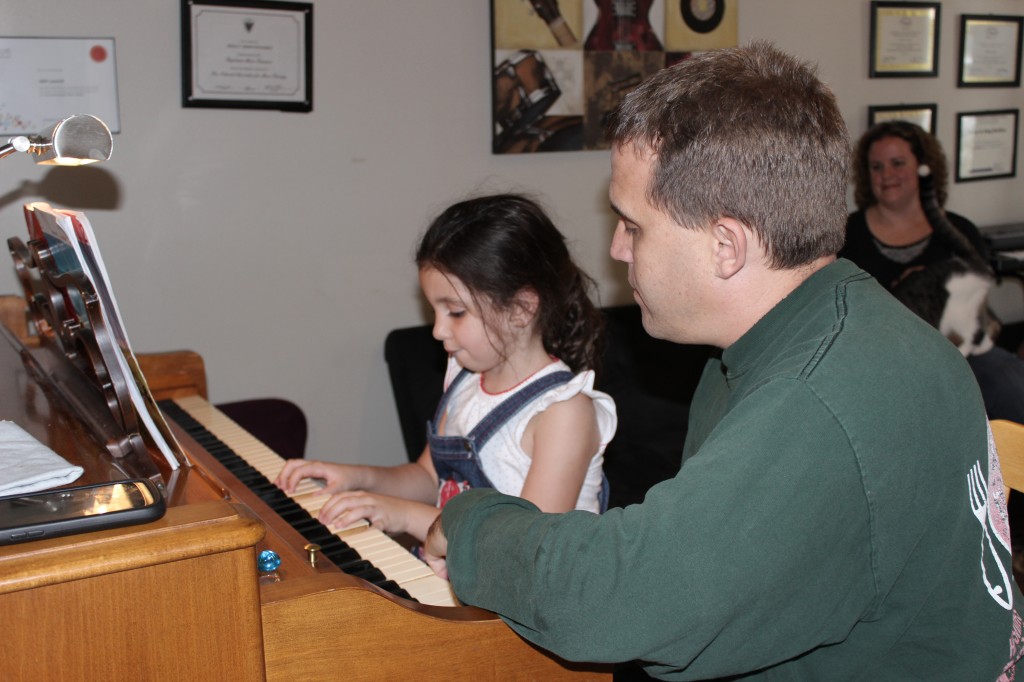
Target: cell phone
(63, 511)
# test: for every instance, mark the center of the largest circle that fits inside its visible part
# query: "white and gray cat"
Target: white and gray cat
(951, 294)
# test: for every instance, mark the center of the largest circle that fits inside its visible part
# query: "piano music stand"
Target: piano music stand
(77, 355)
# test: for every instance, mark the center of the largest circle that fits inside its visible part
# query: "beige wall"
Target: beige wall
(278, 245)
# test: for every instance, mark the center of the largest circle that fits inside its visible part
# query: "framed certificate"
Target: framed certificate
(990, 49)
(904, 39)
(45, 79)
(247, 54)
(921, 114)
(986, 145)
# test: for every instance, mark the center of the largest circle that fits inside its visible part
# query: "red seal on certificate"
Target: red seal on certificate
(98, 53)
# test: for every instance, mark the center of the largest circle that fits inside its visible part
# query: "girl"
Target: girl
(519, 411)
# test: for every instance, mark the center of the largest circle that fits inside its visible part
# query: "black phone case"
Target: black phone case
(68, 525)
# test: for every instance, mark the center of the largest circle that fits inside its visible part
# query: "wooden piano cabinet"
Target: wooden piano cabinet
(173, 373)
(330, 627)
(176, 599)
(179, 599)
(319, 623)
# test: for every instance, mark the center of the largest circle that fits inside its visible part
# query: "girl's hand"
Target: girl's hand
(338, 477)
(389, 514)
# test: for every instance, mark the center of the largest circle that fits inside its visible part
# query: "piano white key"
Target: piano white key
(256, 454)
(412, 574)
(338, 530)
(393, 560)
(435, 591)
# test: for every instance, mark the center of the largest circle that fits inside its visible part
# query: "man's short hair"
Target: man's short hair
(748, 133)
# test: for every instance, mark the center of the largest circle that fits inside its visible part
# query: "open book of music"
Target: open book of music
(71, 297)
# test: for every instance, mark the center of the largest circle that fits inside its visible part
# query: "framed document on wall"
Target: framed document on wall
(986, 145)
(921, 114)
(46, 78)
(247, 54)
(990, 50)
(904, 39)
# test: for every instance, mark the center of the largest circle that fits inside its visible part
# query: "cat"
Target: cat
(951, 294)
(953, 298)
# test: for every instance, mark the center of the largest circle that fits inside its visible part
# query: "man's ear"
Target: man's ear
(524, 307)
(731, 244)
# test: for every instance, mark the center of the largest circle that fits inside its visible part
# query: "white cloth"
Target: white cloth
(26, 465)
(503, 459)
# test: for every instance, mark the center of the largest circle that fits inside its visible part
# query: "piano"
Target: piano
(1006, 247)
(181, 598)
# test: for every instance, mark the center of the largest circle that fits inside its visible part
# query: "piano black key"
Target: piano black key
(308, 527)
(297, 515)
(343, 556)
(369, 573)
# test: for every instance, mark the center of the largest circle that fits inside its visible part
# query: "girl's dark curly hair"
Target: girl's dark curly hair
(926, 149)
(499, 245)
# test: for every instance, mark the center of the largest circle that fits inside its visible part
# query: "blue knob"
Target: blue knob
(268, 561)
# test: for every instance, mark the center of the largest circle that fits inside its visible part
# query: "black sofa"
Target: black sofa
(651, 381)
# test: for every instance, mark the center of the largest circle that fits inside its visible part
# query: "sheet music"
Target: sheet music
(74, 247)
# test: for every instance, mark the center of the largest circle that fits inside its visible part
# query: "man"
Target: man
(839, 512)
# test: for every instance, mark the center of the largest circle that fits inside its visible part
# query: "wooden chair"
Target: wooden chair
(1009, 438)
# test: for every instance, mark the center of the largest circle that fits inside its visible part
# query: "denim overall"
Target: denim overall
(457, 458)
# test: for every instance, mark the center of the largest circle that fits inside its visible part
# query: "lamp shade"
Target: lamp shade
(73, 141)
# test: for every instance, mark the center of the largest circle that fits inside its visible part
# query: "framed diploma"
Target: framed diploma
(45, 79)
(921, 114)
(904, 39)
(990, 49)
(247, 54)
(986, 145)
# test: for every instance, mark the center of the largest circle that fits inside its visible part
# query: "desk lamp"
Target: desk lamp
(73, 141)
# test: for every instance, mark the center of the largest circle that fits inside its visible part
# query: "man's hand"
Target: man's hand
(435, 549)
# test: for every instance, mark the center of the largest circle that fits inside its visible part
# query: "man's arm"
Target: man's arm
(747, 549)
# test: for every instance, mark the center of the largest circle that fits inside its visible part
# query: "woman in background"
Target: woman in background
(891, 237)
